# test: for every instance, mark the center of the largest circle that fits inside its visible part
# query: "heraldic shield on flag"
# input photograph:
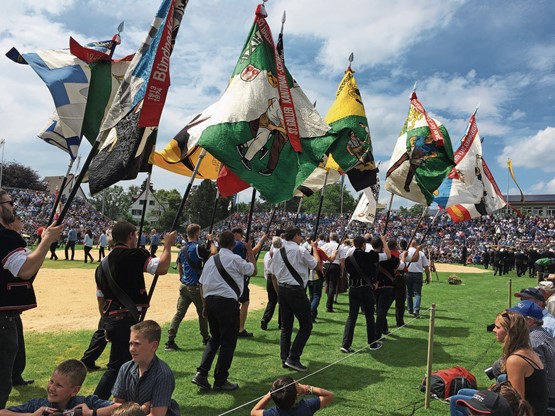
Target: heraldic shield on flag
(257, 125)
(469, 191)
(422, 157)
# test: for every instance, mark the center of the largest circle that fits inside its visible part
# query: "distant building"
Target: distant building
(154, 208)
(55, 182)
(541, 205)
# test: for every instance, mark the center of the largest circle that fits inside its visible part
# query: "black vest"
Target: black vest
(15, 294)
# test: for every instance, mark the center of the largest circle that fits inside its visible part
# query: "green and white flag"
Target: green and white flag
(263, 128)
(422, 158)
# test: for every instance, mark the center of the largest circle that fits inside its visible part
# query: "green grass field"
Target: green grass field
(383, 382)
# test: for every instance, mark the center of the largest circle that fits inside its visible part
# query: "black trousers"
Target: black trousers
(8, 352)
(96, 346)
(21, 357)
(117, 329)
(360, 297)
(332, 272)
(272, 302)
(384, 299)
(294, 304)
(223, 320)
(400, 295)
(70, 245)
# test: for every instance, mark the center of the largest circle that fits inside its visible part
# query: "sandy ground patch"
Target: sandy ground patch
(67, 301)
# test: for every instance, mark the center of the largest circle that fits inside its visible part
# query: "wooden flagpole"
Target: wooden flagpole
(214, 211)
(174, 225)
(60, 191)
(315, 235)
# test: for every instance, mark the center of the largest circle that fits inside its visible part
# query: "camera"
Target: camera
(490, 327)
(489, 373)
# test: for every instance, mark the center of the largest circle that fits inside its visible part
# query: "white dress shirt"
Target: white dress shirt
(213, 283)
(300, 259)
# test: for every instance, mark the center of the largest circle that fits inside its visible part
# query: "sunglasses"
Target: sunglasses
(8, 202)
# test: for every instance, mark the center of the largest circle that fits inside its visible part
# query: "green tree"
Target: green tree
(16, 175)
(332, 201)
(114, 202)
(198, 207)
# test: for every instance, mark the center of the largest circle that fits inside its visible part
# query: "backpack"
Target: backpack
(446, 383)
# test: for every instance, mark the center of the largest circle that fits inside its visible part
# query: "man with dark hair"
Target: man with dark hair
(239, 249)
(19, 268)
(122, 293)
(154, 242)
(399, 286)
(70, 243)
(290, 266)
(284, 393)
(222, 281)
(362, 267)
(191, 258)
(384, 285)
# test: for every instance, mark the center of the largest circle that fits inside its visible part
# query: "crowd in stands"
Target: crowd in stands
(35, 207)
(446, 238)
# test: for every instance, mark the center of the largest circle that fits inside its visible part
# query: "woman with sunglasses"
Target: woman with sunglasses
(525, 370)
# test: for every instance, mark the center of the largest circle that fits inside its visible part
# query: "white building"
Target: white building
(154, 208)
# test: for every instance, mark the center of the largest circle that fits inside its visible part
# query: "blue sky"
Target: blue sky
(498, 54)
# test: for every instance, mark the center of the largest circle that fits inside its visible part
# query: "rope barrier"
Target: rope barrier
(416, 405)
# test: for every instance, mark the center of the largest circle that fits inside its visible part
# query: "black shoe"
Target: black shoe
(201, 381)
(171, 346)
(205, 341)
(91, 367)
(375, 346)
(329, 310)
(264, 325)
(386, 332)
(227, 386)
(295, 365)
(241, 149)
(245, 334)
(284, 365)
(246, 163)
(22, 382)
(400, 324)
(266, 172)
(262, 153)
(347, 350)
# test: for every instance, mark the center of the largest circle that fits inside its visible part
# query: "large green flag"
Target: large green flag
(263, 128)
(422, 158)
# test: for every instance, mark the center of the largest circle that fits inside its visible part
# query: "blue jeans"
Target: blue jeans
(315, 294)
(455, 410)
(8, 352)
(414, 291)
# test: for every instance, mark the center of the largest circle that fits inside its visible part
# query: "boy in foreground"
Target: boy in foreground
(62, 390)
(146, 379)
(284, 393)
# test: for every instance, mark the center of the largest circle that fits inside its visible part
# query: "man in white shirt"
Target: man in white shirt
(222, 282)
(417, 263)
(290, 265)
(332, 268)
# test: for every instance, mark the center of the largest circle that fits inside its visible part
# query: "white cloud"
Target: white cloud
(535, 152)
